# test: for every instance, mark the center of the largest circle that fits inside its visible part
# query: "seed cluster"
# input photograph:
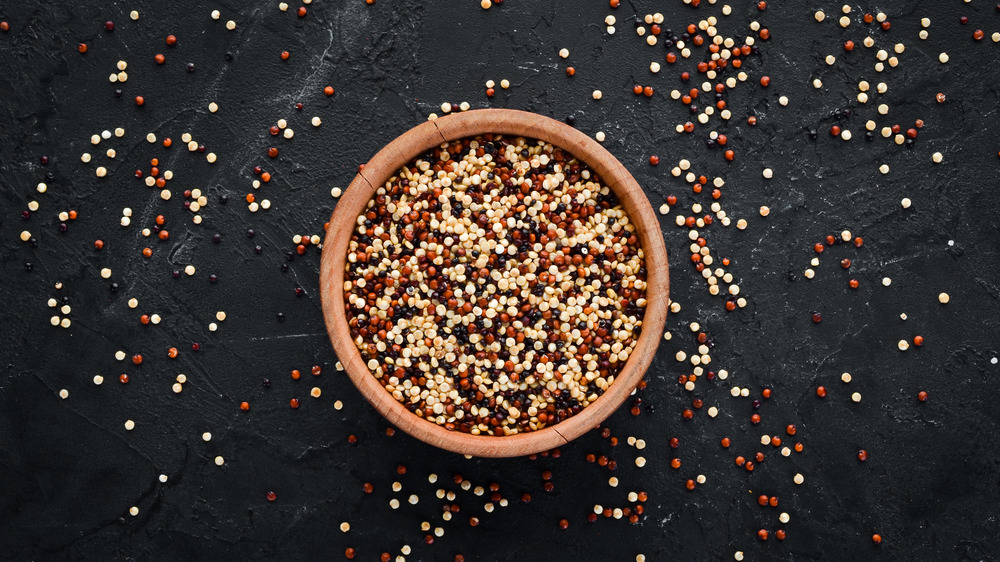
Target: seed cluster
(495, 286)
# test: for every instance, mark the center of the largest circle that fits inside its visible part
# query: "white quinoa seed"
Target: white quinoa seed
(345, 526)
(206, 437)
(563, 53)
(886, 281)
(230, 25)
(943, 298)
(64, 394)
(163, 478)
(219, 461)
(846, 378)
(905, 202)
(133, 511)
(856, 397)
(798, 478)
(98, 380)
(129, 425)
(597, 95)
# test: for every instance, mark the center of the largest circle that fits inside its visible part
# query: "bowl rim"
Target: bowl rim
(512, 123)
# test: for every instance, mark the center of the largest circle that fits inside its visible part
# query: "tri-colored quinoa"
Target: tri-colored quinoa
(495, 286)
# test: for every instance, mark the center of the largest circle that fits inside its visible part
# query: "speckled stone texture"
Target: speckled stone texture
(69, 472)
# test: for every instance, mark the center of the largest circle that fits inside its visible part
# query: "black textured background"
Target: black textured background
(69, 471)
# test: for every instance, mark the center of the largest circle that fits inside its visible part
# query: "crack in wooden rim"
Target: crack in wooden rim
(507, 122)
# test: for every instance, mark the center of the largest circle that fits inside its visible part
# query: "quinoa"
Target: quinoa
(495, 286)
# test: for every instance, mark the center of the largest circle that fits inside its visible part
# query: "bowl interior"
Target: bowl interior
(507, 122)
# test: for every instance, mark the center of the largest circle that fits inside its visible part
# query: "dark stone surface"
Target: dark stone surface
(69, 471)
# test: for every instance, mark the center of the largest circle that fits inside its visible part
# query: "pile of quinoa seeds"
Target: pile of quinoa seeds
(495, 286)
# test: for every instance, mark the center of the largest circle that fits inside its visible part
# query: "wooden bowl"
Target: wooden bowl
(419, 140)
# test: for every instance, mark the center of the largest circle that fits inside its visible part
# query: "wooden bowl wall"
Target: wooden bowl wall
(419, 140)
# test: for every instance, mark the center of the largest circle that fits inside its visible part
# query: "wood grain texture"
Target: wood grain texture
(509, 122)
